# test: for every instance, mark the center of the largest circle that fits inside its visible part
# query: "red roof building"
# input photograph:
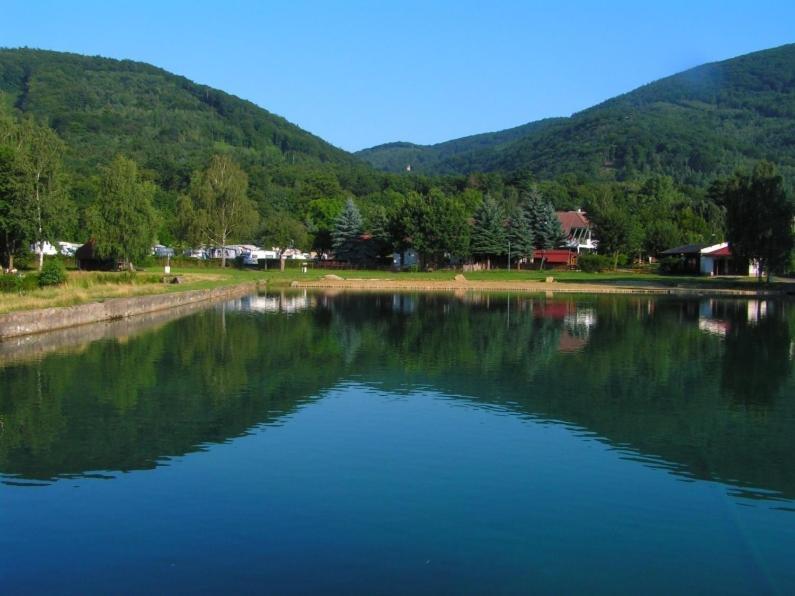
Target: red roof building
(578, 230)
(557, 257)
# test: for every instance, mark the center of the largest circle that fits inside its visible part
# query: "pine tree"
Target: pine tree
(544, 223)
(520, 234)
(553, 236)
(489, 237)
(347, 234)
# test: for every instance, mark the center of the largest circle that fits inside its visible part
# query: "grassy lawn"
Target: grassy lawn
(83, 287)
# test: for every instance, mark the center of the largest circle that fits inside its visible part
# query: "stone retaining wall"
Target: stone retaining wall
(16, 324)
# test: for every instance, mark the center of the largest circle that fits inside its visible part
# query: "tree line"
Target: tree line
(494, 217)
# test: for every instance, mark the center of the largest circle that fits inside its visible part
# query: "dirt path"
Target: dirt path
(643, 287)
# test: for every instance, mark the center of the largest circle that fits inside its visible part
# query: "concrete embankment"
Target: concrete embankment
(522, 286)
(23, 323)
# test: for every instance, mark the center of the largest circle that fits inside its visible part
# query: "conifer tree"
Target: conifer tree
(520, 235)
(347, 234)
(489, 238)
(544, 223)
(552, 231)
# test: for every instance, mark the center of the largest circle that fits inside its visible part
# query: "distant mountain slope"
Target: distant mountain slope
(167, 123)
(448, 157)
(693, 125)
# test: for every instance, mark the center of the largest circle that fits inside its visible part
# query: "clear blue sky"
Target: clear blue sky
(360, 73)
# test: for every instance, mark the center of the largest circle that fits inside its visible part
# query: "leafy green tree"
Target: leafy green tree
(320, 220)
(188, 226)
(617, 232)
(759, 218)
(434, 224)
(48, 208)
(222, 207)
(124, 220)
(347, 234)
(14, 221)
(282, 229)
(381, 243)
(489, 238)
(661, 235)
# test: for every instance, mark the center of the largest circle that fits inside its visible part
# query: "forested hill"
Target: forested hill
(459, 155)
(694, 125)
(168, 124)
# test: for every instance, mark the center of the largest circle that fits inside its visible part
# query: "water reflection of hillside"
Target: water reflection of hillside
(642, 374)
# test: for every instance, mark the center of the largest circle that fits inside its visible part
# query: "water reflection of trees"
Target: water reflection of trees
(643, 374)
(757, 360)
(121, 405)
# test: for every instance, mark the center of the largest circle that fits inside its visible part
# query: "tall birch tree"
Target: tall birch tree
(223, 211)
(48, 207)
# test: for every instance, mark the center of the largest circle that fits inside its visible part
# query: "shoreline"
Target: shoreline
(31, 322)
(536, 287)
(21, 324)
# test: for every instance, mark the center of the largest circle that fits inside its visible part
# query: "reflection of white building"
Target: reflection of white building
(716, 317)
(404, 303)
(276, 303)
(757, 310)
(714, 326)
(582, 318)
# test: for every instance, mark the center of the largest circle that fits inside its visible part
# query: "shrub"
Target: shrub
(53, 273)
(18, 284)
(672, 265)
(592, 263)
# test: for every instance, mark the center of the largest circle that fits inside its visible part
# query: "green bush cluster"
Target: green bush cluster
(53, 273)
(672, 266)
(593, 263)
(18, 284)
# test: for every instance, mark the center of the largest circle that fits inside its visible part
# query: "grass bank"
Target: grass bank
(83, 287)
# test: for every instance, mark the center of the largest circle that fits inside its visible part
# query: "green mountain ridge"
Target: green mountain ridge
(694, 125)
(446, 157)
(167, 123)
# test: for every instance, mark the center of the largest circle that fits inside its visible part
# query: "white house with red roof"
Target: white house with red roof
(716, 259)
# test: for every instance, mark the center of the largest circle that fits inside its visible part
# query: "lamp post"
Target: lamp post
(509, 254)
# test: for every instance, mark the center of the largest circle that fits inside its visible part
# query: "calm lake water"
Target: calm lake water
(357, 443)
